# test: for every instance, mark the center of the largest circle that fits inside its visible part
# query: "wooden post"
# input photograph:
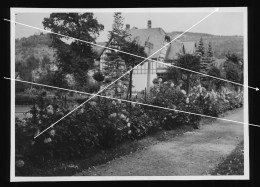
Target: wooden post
(61, 100)
(34, 112)
(32, 80)
(148, 75)
(130, 107)
(149, 46)
(145, 95)
(65, 101)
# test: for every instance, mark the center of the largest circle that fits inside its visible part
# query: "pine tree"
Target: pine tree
(210, 56)
(131, 61)
(200, 51)
(114, 66)
(210, 52)
(200, 48)
(118, 33)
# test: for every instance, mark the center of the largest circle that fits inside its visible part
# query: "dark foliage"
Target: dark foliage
(77, 57)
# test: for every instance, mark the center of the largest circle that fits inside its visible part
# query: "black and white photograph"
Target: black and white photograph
(129, 94)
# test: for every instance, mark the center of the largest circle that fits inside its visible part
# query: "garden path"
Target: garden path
(193, 153)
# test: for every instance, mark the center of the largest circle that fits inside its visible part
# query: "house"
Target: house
(154, 40)
(157, 38)
(177, 47)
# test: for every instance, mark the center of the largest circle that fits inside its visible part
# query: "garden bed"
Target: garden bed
(104, 124)
(102, 156)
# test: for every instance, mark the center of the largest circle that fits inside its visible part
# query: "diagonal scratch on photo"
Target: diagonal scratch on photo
(129, 94)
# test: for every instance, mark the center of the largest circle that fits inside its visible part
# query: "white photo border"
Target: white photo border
(14, 178)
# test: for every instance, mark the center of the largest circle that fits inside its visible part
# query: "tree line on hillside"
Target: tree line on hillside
(221, 44)
(33, 41)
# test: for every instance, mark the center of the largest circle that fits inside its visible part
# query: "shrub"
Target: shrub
(98, 76)
(140, 122)
(97, 124)
(102, 123)
(235, 99)
(167, 96)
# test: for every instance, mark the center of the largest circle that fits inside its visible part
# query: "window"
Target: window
(160, 75)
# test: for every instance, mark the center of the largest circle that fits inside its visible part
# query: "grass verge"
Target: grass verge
(233, 164)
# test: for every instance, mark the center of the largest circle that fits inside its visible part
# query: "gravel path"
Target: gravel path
(193, 153)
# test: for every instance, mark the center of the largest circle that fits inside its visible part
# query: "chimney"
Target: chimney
(127, 27)
(149, 24)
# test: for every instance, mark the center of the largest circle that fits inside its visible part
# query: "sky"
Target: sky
(223, 22)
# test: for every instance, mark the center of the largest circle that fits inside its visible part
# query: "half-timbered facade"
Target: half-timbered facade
(155, 41)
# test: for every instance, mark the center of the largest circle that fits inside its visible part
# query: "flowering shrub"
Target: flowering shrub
(235, 99)
(58, 142)
(216, 103)
(102, 123)
(140, 122)
(166, 95)
(97, 124)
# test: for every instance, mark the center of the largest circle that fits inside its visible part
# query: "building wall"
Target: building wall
(140, 73)
(140, 81)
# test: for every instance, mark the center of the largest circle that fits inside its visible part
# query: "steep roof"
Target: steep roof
(173, 50)
(189, 47)
(97, 49)
(153, 35)
(177, 47)
(156, 37)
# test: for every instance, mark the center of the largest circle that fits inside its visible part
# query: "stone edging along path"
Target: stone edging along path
(193, 153)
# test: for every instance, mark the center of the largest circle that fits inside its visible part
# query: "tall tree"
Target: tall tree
(233, 57)
(75, 57)
(131, 61)
(173, 74)
(234, 67)
(210, 51)
(237, 63)
(210, 55)
(114, 66)
(26, 69)
(233, 73)
(118, 32)
(214, 71)
(201, 53)
(200, 48)
(191, 62)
